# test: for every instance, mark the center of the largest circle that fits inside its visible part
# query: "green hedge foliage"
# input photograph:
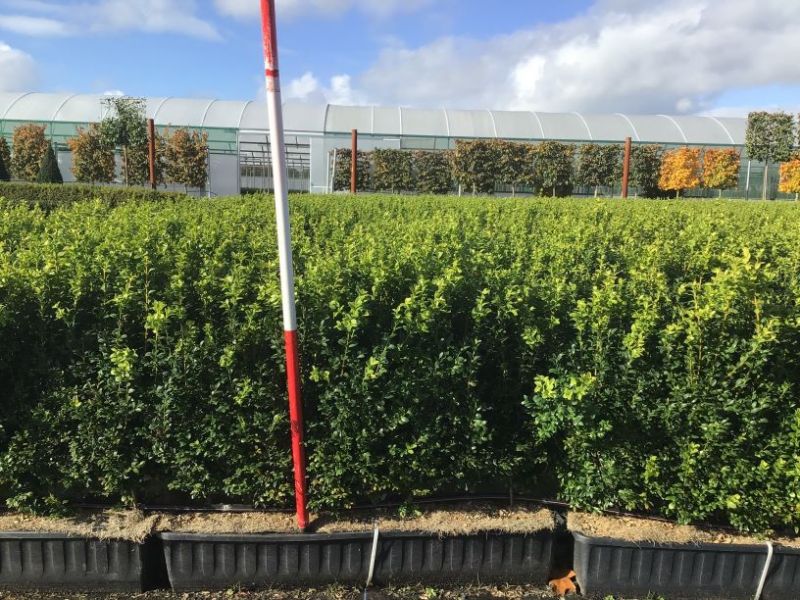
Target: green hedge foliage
(615, 354)
(51, 196)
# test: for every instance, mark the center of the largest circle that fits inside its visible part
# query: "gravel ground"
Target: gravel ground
(332, 593)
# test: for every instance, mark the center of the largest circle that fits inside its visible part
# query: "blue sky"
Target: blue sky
(672, 56)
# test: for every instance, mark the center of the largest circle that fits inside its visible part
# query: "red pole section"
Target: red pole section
(626, 167)
(280, 179)
(151, 151)
(354, 162)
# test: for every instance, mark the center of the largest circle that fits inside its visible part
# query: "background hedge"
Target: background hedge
(630, 354)
(50, 196)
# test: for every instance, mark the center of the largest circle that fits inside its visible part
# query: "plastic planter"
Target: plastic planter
(207, 562)
(683, 571)
(45, 561)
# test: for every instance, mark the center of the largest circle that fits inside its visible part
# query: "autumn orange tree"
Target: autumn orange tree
(92, 157)
(721, 169)
(681, 169)
(790, 176)
(30, 146)
(186, 157)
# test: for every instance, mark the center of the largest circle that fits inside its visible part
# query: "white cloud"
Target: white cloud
(18, 71)
(154, 16)
(108, 16)
(632, 56)
(35, 26)
(329, 8)
(338, 91)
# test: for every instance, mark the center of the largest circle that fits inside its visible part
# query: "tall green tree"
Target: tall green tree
(433, 172)
(341, 176)
(5, 160)
(646, 169)
(49, 171)
(769, 139)
(125, 127)
(136, 162)
(393, 170)
(598, 165)
(476, 165)
(554, 168)
(514, 163)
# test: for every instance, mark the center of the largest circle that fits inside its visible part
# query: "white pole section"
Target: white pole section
(279, 178)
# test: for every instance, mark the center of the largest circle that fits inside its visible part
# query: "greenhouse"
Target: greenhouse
(239, 146)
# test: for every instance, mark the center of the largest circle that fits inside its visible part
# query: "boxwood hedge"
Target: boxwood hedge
(630, 354)
(50, 196)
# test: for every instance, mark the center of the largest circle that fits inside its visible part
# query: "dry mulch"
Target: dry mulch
(640, 529)
(136, 526)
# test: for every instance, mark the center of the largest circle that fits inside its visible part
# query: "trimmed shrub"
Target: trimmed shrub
(5, 160)
(49, 171)
(643, 355)
(48, 197)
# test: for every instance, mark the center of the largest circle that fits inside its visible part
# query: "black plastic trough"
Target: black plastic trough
(683, 571)
(207, 562)
(46, 561)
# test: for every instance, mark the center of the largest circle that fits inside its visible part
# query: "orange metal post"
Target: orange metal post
(626, 167)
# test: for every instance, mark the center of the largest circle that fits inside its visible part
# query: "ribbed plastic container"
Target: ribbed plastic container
(683, 571)
(44, 561)
(208, 562)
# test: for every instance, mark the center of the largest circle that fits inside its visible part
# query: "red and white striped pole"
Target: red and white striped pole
(279, 178)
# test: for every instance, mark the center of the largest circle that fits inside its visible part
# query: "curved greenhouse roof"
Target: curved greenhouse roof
(388, 121)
